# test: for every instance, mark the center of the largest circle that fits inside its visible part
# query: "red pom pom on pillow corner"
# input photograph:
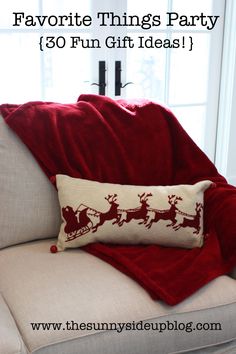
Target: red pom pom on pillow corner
(53, 249)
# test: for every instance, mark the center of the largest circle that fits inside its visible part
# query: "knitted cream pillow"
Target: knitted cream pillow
(125, 214)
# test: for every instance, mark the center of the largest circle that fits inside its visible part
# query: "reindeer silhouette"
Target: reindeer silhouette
(139, 213)
(112, 213)
(169, 214)
(194, 222)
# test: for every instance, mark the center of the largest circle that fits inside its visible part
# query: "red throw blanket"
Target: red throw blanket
(138, 143)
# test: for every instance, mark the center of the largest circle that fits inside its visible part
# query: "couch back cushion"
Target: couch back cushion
(29, 207)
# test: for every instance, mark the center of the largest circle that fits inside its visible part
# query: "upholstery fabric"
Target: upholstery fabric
(110, 343)
(138, 143)
(28, 203)
(75, 285)
(10, 338)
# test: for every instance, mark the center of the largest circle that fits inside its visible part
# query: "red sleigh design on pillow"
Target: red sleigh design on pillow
(82, 220)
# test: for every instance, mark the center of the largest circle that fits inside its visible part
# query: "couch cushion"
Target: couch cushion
(29, 204)
(10, 338)
(75, 286)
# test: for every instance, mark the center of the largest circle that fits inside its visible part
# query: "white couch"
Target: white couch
(74, 288)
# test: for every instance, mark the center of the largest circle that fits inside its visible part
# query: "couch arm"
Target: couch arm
(10, 339)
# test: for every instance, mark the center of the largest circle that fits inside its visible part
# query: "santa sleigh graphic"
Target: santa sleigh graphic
(78, 222)
(85, 218)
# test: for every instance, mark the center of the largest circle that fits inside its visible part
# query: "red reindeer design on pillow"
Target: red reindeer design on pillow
(79, 222)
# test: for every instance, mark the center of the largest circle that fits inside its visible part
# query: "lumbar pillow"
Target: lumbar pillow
(125, 214)
(29, 207)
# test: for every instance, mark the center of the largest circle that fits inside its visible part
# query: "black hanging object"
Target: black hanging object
(101, 78)
(117, 78)
(118, 83)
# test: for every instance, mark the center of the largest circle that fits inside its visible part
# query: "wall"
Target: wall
(226, 134)
(231, 163)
